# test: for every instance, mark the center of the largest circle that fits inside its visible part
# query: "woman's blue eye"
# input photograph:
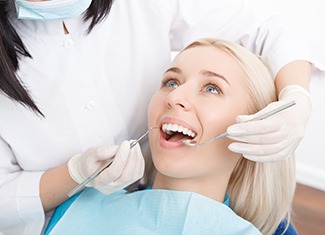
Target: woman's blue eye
(211, 88)
(171, 83)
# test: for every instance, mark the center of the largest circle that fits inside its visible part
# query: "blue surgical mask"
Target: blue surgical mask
(51, 9)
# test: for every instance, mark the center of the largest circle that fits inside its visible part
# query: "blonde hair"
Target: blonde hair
(261, 193)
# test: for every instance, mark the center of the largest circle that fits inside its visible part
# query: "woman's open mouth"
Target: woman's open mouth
(177, 133)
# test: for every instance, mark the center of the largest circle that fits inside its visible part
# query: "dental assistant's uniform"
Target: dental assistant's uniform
(94, 89)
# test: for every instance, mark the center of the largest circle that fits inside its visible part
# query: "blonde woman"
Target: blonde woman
(208, 84)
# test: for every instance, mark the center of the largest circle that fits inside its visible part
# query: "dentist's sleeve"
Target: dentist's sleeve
(21, 208)
(271, 36)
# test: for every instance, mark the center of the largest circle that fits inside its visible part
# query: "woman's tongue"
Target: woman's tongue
(177, 137)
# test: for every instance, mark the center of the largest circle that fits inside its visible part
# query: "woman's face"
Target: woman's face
(201, 94)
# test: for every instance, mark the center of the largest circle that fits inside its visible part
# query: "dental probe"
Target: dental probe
(81, 186)
(193, 143)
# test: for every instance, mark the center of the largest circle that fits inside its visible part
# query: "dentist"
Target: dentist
(80, 73)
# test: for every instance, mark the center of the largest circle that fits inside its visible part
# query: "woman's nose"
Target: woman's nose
(180, 98)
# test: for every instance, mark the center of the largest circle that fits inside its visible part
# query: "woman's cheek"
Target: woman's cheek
(153, 107)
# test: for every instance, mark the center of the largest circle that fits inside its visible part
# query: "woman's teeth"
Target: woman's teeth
(169, 128)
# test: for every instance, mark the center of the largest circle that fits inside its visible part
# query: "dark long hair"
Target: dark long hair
(12, 47)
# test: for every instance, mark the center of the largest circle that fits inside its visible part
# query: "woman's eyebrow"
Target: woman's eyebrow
(174, 69)
(203, 72)
(213, 74)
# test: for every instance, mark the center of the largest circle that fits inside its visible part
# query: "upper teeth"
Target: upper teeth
(169, 128)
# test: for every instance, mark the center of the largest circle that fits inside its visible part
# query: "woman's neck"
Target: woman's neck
(214, 188)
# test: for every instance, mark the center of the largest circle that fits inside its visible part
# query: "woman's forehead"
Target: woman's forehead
(205, 55)
(208, 58)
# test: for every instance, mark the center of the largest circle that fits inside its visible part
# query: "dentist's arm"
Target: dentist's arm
(278, 136)
(294, 73)
(127, 167)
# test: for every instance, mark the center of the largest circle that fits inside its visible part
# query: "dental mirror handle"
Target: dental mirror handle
(82, 185)
(274, 111)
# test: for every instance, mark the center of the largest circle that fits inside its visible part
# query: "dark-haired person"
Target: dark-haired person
(87, 69)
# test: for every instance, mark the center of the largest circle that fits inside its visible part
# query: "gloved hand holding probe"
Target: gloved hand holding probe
(276, 137)
(127, 167)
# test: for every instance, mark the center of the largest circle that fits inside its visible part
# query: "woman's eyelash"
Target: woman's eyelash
(215, 86)
(168, 82)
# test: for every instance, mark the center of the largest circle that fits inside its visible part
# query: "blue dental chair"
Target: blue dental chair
(290, 231)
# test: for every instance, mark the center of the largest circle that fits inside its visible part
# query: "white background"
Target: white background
(309, 16)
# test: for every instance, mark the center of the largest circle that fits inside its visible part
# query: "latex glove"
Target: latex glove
(276, 137)
(127, 166)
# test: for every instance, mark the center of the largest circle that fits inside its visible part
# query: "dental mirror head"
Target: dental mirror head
(193, 143)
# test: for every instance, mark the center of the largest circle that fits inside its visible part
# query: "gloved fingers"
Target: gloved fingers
(134, 168)
(115, 170)
(263, 138)
(106, 152)
(268, 108)
(253, 128)
(84, 164)
(246, 127)
(132, 171)
(261, 149)
(93, 158)
(285, 153)
(276, 137)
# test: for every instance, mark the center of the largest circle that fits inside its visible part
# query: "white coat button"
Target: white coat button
(91, 105)
(68, 43)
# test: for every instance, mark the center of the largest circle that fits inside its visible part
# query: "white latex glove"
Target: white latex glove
(127, 166)
(276, 137)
